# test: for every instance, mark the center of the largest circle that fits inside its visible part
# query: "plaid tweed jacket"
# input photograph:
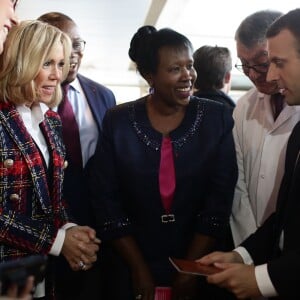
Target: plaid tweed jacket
(31, 206)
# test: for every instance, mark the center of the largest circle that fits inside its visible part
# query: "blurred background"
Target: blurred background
(108, 26)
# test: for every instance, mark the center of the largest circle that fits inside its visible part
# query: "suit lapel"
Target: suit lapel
(286, 114)
(90, 92)
(292, 164)
(52, 131)
(292, 153)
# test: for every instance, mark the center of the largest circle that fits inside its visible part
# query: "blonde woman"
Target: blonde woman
(34, 218)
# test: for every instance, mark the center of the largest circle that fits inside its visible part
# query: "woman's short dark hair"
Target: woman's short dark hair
(147, 42)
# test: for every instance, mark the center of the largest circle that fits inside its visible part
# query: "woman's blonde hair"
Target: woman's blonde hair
(27, 48)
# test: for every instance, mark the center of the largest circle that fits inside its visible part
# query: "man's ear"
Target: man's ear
(227, 77)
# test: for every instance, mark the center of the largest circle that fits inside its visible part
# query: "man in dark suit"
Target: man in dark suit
(89, 101)
(268, 262)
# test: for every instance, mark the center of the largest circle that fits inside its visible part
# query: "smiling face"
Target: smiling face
(72, 31)
(50, 74)
(173, 82)
(7, 19)
(285, 65)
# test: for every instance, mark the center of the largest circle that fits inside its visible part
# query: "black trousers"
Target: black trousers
(73, 285)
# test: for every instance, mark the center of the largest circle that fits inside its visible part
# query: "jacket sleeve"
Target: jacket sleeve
(222, 176)
(26, 234)
(103, 187)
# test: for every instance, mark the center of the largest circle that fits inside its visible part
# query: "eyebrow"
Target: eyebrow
(256, 56)
(275, 59)
(260, 54)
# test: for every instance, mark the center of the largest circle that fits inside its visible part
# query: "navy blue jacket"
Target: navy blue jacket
(123, 178)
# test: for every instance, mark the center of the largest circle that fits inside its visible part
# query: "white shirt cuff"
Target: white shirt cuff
(264, 282)
(245, 255)
(60, 238)
(68, 225)
(39, 291)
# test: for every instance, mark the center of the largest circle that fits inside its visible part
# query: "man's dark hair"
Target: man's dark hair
(289, 21)
(55, 18)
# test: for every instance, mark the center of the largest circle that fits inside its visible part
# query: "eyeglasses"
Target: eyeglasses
(259, 68)
(14, 3)
(78, 45)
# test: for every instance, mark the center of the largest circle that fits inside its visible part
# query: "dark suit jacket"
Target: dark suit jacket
(100, 99)
(31, 209)
(216, 95)
(263, 245)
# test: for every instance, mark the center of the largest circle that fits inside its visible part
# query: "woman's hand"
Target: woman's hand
(142, 281)
(14, 292)
(80, 247)
(143, 284)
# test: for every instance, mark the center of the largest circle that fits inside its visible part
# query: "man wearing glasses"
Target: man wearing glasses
(263, 123)
(267, 263)
(89, 101)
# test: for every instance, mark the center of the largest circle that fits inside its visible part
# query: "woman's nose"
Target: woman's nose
(56, 73)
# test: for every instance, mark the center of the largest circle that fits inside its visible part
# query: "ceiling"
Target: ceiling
(108, 26)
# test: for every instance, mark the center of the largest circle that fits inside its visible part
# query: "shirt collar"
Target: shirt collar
(36, 111)
(75, 85)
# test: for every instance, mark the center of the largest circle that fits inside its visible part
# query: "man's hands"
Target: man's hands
(236, 276)
(80, 247)
(143, 284)
(224, 257)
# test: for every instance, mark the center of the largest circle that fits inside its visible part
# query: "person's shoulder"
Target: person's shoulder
(126, 106)
(216, 95)
(213, 110)
(208, 104)
(88, 81)
(217, 116)
(6, 105)
(226, 99)
(251, 95)
(206, 101)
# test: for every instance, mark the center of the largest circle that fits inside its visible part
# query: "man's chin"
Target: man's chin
(291, 100)
(267, 89)
(71, 76)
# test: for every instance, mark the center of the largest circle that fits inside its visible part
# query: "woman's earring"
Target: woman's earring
(151, 90)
